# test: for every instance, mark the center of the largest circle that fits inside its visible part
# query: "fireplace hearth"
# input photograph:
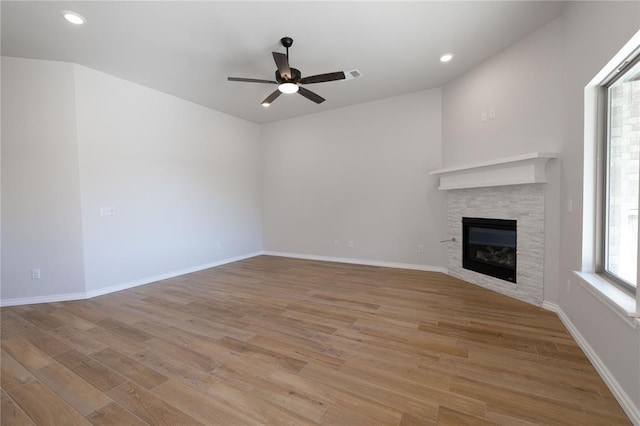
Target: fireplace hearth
(489, 246)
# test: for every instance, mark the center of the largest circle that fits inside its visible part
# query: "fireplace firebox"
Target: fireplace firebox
(489, 247)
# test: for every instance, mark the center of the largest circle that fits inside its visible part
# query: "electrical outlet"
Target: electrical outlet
(219, 245)
(107, 211)
(336, 243)
(35, 274)
(483, 116)
(492, 114)
(420, 248)
(350, 243)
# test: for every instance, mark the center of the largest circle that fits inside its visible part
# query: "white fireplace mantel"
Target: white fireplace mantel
(518, 170)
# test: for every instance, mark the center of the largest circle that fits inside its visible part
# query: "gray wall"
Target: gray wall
(358, 173)
(41, 221)
(593, 32)
(184, 181)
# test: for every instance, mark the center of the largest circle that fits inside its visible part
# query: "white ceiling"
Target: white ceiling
(188, 49)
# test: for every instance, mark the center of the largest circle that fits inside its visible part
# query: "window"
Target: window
(619, 195)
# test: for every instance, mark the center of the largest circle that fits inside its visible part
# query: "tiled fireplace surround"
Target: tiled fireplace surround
(513, 189)
(525, 204)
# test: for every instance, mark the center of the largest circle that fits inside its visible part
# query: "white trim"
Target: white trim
(518, 170)
(483, 164)
(42, 299)
(368, 262)
(123, 286)
(615, 299)
(627, 404)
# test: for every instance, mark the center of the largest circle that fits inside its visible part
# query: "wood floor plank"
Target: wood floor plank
(295, 351)
(79, 394)
(25, 353)
(337, 416)
(414, 404)
(113, 414)
(185, 355)
(148, 407)
(198, 405)
(114, 341)
(12, 373)
(254, 408)
(129, 368)
(44, 406)
(283, 361)
(272, 340)
(520, 404)
(345, 400)
(279, 395)
(174, 368)
(410, 388)
(11, 414)
(44, 341)
(77, 339)
(91, 371)
(449, 417)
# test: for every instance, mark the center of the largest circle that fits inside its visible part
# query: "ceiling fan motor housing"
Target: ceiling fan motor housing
(295, 76)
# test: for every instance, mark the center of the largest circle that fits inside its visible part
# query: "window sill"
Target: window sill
(620, 302)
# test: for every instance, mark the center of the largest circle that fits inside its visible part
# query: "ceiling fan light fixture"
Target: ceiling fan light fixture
(288, 88)
(446, 57)
(73, 17)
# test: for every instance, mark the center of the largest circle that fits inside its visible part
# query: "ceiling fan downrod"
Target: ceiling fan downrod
(287, 42)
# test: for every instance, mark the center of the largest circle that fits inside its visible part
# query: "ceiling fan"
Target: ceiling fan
(289, 80)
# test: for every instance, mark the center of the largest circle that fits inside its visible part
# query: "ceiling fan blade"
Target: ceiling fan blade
(283, 65)
(271, 98)
(321, 78)
(310, 95)
(251, 80)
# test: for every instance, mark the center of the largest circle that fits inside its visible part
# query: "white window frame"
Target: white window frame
(623, 304)
(603, 140)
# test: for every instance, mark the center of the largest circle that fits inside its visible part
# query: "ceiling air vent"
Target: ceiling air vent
(350, 75)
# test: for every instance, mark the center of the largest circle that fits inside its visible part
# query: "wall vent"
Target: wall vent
(350, 75)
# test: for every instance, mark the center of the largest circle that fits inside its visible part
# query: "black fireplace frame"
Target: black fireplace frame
(507, 274)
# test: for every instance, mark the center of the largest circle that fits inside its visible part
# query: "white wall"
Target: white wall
(184, 181)
(524, 85)
(41, 223)
(592, 33)
(182, 178)
(358, 173)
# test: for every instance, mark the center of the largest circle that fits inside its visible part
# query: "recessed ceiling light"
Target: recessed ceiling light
(288, 88)
(73, 17)
(266, 104)
(446, 57)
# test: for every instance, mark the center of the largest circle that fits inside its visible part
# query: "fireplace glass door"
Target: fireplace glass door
(489, 246)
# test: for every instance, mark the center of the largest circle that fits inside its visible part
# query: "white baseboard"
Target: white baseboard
(118, 287)
(359, 261)
(43, 299)
(627, 404)
(147, 280)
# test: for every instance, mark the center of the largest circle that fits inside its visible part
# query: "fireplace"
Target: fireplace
(489, 247)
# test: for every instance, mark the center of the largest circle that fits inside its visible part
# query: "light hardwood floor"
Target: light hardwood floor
(281, 341)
